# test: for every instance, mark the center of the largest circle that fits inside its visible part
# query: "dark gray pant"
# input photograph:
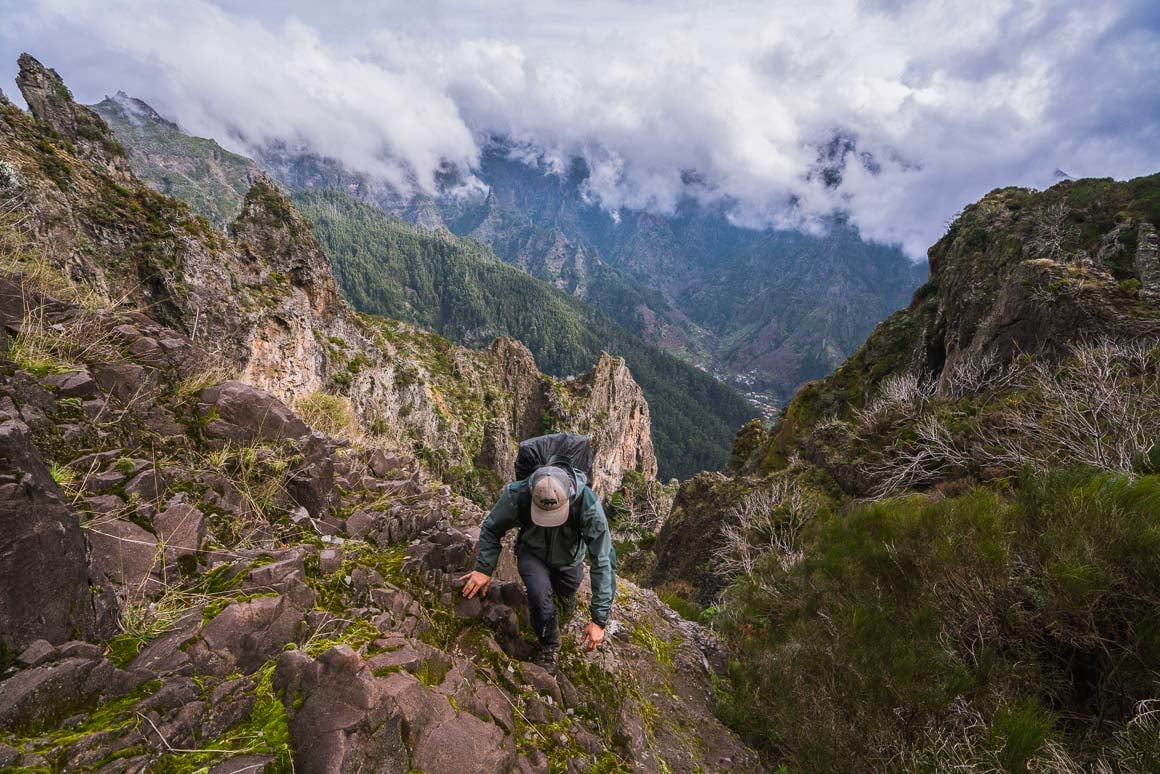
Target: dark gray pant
(542, 581)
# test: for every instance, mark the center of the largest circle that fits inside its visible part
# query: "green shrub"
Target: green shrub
(1129, 287)
(1018, 733)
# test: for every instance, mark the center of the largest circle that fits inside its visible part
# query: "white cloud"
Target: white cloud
(951, 97)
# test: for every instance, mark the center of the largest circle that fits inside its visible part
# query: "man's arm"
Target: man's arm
(502, 518)
(598, 539)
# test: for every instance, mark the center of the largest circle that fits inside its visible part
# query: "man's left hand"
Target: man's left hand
(593, 636)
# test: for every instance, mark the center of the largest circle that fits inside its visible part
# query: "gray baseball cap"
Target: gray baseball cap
(552, 493)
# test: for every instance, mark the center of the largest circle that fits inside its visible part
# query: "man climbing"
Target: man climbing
(560, 519)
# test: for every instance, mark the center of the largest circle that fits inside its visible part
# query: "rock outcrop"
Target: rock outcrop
(287, 600)
(50, 101)
(684, 547)
(46, 584)
(616, 416)
(1148, 257)
(1015, 275)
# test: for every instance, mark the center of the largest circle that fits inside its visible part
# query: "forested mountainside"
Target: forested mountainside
(221, 551)
(575, 268)
(461, 290)
(994, 605)
(776, 308)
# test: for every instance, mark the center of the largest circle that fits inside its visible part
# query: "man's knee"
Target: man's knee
(537, 581)
(567, 580)
(539, 595)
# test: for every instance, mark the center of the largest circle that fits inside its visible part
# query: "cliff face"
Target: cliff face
(611, 405)
(265, 301)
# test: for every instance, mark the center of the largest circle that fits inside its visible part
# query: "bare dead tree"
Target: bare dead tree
(1099, 408)
(1052, 234)
(928, 458)
(767, 521)
(898, 396)
(970, 376)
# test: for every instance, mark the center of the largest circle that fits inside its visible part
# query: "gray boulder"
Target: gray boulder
(245, 635)
(125, 553)
(181, 527)
(44, 573)
(344, 719)
(245, 414)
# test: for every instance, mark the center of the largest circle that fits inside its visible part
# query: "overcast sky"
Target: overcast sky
(951, 98)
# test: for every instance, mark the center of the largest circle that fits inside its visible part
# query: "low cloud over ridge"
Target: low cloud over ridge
(933, 103)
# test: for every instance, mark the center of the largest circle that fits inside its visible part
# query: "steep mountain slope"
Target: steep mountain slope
(460, 290)
(995, 607)
(779, 307)
(1018, 272)
(198, 171)
(574, 267)
(264, 301)
(199, 577)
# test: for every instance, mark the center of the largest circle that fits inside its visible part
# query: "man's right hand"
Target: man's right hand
(477, 583)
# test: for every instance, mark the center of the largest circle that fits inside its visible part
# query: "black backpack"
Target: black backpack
(570, 451)
(566, 450)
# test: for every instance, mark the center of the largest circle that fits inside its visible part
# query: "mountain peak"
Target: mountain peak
(39, 83)
(49, 100)
(133, 110)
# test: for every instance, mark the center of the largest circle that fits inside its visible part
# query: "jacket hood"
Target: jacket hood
(581, 482)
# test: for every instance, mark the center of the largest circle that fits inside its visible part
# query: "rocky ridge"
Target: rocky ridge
(264, 299)
(197, 170)
(240, 590)
(1020, 280)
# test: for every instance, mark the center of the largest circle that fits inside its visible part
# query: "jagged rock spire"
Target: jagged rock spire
(49, 100)
(271, 227)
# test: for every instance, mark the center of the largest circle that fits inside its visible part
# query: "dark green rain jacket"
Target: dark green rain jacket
(563, 546)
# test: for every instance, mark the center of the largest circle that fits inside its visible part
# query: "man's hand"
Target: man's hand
(477, 583)
(593, 636)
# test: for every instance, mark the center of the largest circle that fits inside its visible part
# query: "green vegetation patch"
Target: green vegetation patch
(265, 731)
(1001, 617)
